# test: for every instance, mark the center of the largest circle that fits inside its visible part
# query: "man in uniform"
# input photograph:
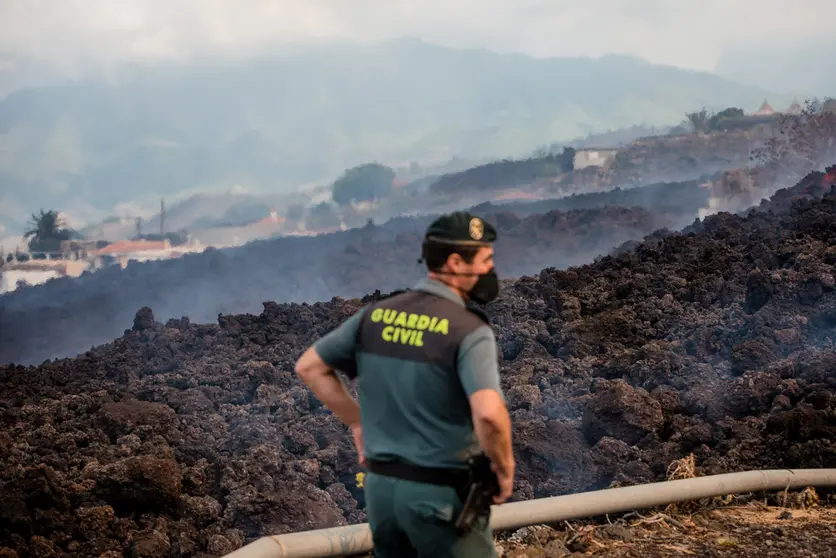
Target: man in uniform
(428, 385)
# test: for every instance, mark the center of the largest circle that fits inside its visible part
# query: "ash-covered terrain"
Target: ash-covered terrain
(65, 317)
(179, 439)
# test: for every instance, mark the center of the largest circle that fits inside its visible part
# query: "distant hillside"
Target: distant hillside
(303, 117)
(609, 139)
(784, 65)
(661, 158)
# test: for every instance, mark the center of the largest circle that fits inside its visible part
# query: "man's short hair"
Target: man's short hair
(435, 254)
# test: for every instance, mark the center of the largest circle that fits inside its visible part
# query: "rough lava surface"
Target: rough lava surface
(65, 317)
(179, 439)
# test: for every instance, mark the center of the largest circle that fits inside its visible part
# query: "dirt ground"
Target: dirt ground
(751, 531)
(786, 525)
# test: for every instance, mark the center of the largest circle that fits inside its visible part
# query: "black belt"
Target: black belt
(475, 502)
(444, 476)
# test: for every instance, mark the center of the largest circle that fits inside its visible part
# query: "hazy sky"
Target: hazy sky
(687, 33)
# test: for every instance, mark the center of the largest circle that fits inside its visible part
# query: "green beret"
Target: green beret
(460, 227)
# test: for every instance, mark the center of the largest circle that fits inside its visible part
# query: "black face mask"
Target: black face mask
(486, 288)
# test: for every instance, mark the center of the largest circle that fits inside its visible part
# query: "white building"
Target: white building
(36, 272)
(593, 157)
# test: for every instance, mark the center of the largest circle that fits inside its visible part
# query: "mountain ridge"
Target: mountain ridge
(276, 122)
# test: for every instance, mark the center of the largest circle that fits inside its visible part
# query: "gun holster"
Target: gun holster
(483, 485)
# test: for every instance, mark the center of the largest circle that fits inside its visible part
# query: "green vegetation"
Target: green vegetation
(48, 232)
(703, 122)
(717, 119)
(363, 183)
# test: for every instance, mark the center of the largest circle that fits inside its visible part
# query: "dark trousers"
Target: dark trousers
(416, 520)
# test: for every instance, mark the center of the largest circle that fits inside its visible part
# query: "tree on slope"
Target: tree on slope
(699, 121)
(716, 120)
(804, 142)
(47, 232)
(703, 121)
(363, 183)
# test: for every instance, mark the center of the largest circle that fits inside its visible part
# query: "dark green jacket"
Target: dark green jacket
(417, 357)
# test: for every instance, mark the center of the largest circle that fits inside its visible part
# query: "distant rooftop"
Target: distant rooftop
(765, 109)
(131, 246)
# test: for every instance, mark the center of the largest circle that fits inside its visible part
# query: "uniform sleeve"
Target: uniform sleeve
(478, 363)
(337, 347)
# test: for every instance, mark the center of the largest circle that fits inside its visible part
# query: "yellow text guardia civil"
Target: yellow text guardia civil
(408, 328)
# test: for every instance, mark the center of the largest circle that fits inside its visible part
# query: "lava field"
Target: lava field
(179, 439)
(65, 317)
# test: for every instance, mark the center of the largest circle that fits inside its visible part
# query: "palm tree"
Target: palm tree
(47, 232)
(699, 121)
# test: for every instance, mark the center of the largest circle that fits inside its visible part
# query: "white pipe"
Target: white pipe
(335, 541)
(357, 539)
(614, 500)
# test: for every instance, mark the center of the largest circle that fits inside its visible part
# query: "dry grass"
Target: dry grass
(735, 524)
(684, 468)
(749, 530)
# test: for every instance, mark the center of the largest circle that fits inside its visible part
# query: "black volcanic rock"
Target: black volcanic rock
(66, 316)
(191, 439)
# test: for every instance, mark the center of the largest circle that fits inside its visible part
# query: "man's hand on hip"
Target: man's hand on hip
(505, 478)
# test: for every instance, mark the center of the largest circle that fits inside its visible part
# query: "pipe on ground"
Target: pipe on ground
(357, 539)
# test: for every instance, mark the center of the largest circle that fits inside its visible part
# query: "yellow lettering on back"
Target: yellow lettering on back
(387, 333)
(406, 328)
(411, 322)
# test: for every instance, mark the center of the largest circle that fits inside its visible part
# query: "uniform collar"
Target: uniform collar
(438, 288)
